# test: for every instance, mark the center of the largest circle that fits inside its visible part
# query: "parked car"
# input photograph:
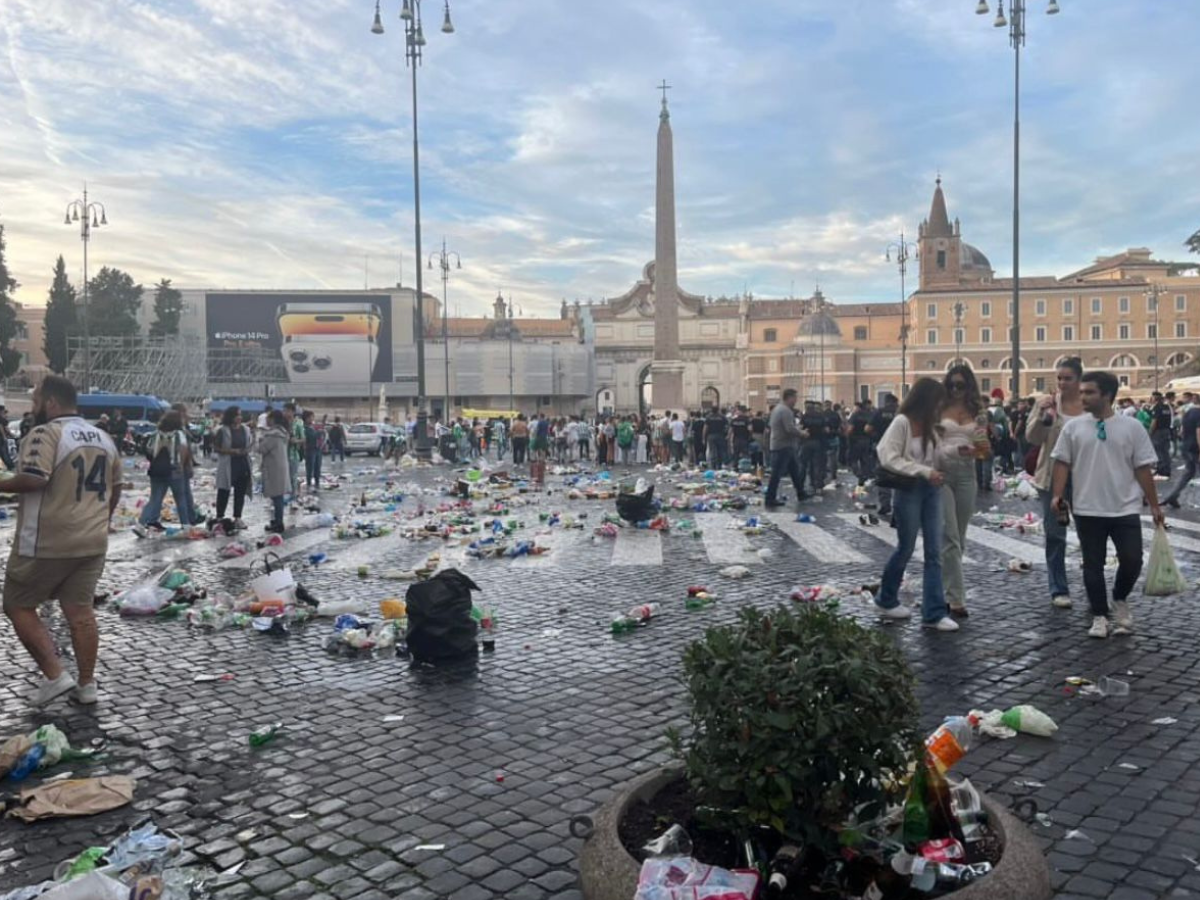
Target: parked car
(366, 437)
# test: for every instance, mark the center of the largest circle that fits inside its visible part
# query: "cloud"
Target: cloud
(268, 144)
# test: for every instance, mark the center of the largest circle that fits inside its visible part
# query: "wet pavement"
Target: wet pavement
(468, 795)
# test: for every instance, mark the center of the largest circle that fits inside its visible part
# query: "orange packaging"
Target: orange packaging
(393, 608)
(267, 607)
(943, 749)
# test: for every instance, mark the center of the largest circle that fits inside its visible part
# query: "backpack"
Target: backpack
(625, 434)
(164, 457)
(440, 625)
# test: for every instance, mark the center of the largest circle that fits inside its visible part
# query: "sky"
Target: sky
(268, 144)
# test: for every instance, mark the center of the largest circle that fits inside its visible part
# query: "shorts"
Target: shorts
(30, 581)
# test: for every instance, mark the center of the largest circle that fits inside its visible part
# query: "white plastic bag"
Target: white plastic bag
(1163, 577)
(275, 583)
(683, 878)
(145, 599)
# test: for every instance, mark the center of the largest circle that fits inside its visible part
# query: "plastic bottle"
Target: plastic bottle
(141, 845)
(622, 624)
(28, 763)
(784, 866)
(644, 612)
(173, 610)
(968, 809)
(260, 736)
(951, 741)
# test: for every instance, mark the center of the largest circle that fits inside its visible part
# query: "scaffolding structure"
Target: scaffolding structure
(174, 368)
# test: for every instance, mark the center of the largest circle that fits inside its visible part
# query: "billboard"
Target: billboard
(308, 338)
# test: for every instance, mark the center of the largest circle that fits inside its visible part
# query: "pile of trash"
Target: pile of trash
(167, 595)
(1030, 523)
(24, 754)
(353, 634)
(498, 548)
(938, 839)
(361, 530)
(142, 864)
(820, 593)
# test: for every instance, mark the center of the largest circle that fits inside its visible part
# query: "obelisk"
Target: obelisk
(667, 368)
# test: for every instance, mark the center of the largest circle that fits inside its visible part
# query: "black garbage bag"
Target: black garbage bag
(636, 507)
(440, 627)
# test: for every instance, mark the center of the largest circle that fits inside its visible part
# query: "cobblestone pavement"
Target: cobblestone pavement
(491, 761)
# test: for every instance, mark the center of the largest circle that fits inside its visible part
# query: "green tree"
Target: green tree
(113, 303)
(10, 360)
(61, 319)
(1193, 242)
(168, 307)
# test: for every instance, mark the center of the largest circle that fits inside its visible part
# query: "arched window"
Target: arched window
(1178, 359)
(710, 398)
(1123, 361)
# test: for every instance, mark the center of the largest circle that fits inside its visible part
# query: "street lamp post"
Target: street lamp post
(414, 43)
(904, 252)
(1152, 295)
(511, 405)
(94, 216)
(1016, 37)
(958, 313)
(443, 259)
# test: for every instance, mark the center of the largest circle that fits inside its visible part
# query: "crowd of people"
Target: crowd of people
(1092, 459)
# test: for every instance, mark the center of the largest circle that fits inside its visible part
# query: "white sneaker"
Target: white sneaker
(896, 612)
(943, 624)
(48, 690)
(1099, 627)
(1062, 601)
(85, 694)
(1122, 617)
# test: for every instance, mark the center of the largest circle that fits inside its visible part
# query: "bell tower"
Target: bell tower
(940, 245)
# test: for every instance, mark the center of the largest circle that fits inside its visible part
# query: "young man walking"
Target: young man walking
(1110, 462)
(1189, 444)
(69, 480)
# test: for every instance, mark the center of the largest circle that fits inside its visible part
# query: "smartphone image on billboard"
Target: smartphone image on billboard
(323, 343)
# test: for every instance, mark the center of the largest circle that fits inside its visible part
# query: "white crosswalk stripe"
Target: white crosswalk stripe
(816, 542)
(725, 545)
(1007, 546)
(637, 547)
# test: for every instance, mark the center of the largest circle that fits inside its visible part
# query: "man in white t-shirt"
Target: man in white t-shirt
(1110, 461)
(262, 419)
(678, 433)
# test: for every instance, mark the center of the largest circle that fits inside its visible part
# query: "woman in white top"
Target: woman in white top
(960, 430)
(910, 448)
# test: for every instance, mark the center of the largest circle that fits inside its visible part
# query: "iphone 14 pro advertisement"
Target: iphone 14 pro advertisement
(315, 339)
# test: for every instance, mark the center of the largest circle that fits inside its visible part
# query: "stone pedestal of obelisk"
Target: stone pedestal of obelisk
(666, 392)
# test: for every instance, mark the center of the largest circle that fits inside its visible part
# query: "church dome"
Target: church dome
(818, 324)
(973, 258)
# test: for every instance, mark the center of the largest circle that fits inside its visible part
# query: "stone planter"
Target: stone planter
(608, 872)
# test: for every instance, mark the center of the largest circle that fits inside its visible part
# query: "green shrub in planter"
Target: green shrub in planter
(798, 717)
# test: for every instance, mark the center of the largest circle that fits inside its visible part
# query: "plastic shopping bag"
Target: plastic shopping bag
(1162, 575)
(276, 583)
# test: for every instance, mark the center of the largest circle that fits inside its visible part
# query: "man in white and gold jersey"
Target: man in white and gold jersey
(69, 480)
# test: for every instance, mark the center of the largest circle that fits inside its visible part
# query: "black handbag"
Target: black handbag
(895, 481)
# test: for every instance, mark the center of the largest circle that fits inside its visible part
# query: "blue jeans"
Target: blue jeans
(917, 510)
(716, 453)
(312, 468)
(158, 490)
(812, 464)
(337, 452)
(188, 499)
(1056, 546)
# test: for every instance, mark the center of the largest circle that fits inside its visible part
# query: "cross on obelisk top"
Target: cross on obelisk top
(664, 87)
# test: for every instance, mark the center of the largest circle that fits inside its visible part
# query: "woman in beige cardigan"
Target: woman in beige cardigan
(910, 448)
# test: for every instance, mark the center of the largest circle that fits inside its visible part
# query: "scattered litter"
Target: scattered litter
(1130, 766)
(1033, 785)
(392, 719)
(430, 847)
(1076, 834)
(1112, 687)
(735, 572)
(1020, 565)
(1165, 720)
(675, 841)
(1044, 819)
(79, 797)
(203, 679)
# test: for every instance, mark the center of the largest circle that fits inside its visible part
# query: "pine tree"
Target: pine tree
(61, 319)
(113, 303)
(10, 360)
(1193, 243)
(168, 307)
